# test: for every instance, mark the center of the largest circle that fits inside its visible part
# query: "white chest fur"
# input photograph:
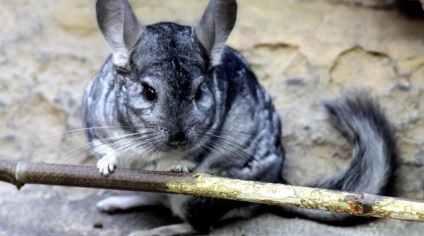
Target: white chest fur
(159, 161)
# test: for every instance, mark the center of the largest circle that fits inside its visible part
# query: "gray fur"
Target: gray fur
(215, 26)
(359, 118)
(119, 27)
(210, 117)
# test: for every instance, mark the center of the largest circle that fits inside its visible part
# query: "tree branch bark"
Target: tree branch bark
(197, 184)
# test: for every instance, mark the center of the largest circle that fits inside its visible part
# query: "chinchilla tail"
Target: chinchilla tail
(371, 170)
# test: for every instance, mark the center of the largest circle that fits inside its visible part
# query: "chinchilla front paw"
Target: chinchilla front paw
(107, 165)
(180, 169)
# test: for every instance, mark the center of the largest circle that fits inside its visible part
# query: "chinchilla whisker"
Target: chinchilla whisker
(145, 144)
(236, 147)
(135, 143)
(233, 152)
(77, 151)
(231, 132)
(123, 138)
(111, 139)
(74, 132)
(86, 147)
(130, 157)
(218, 145)
(124, 144)
(228, 150)
(205, 149)
(151, 148)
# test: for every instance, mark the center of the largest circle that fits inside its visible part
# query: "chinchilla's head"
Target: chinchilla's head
(166, 88)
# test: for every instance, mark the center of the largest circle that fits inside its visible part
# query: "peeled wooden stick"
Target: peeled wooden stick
(210, 186)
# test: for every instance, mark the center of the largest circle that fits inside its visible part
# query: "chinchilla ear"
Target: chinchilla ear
(215, 26)
(119, 27)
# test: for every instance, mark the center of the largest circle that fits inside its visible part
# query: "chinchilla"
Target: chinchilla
(176, 98)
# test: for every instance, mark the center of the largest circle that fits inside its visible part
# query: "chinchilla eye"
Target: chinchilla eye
(149, 93)
(199, 93)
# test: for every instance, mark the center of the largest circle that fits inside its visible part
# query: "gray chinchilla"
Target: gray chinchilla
(176, 98)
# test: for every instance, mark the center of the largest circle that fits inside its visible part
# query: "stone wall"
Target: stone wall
(303, 51)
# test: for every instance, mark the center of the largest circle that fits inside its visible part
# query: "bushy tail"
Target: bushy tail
(359, 118)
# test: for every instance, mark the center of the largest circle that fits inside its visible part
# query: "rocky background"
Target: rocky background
(304, 52)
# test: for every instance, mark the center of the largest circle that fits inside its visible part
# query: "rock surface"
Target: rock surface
(303, 51)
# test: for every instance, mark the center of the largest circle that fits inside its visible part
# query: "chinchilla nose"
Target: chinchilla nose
(178, 143)
(177, 139)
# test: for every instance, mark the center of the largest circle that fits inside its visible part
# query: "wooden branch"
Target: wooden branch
(210, 186)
